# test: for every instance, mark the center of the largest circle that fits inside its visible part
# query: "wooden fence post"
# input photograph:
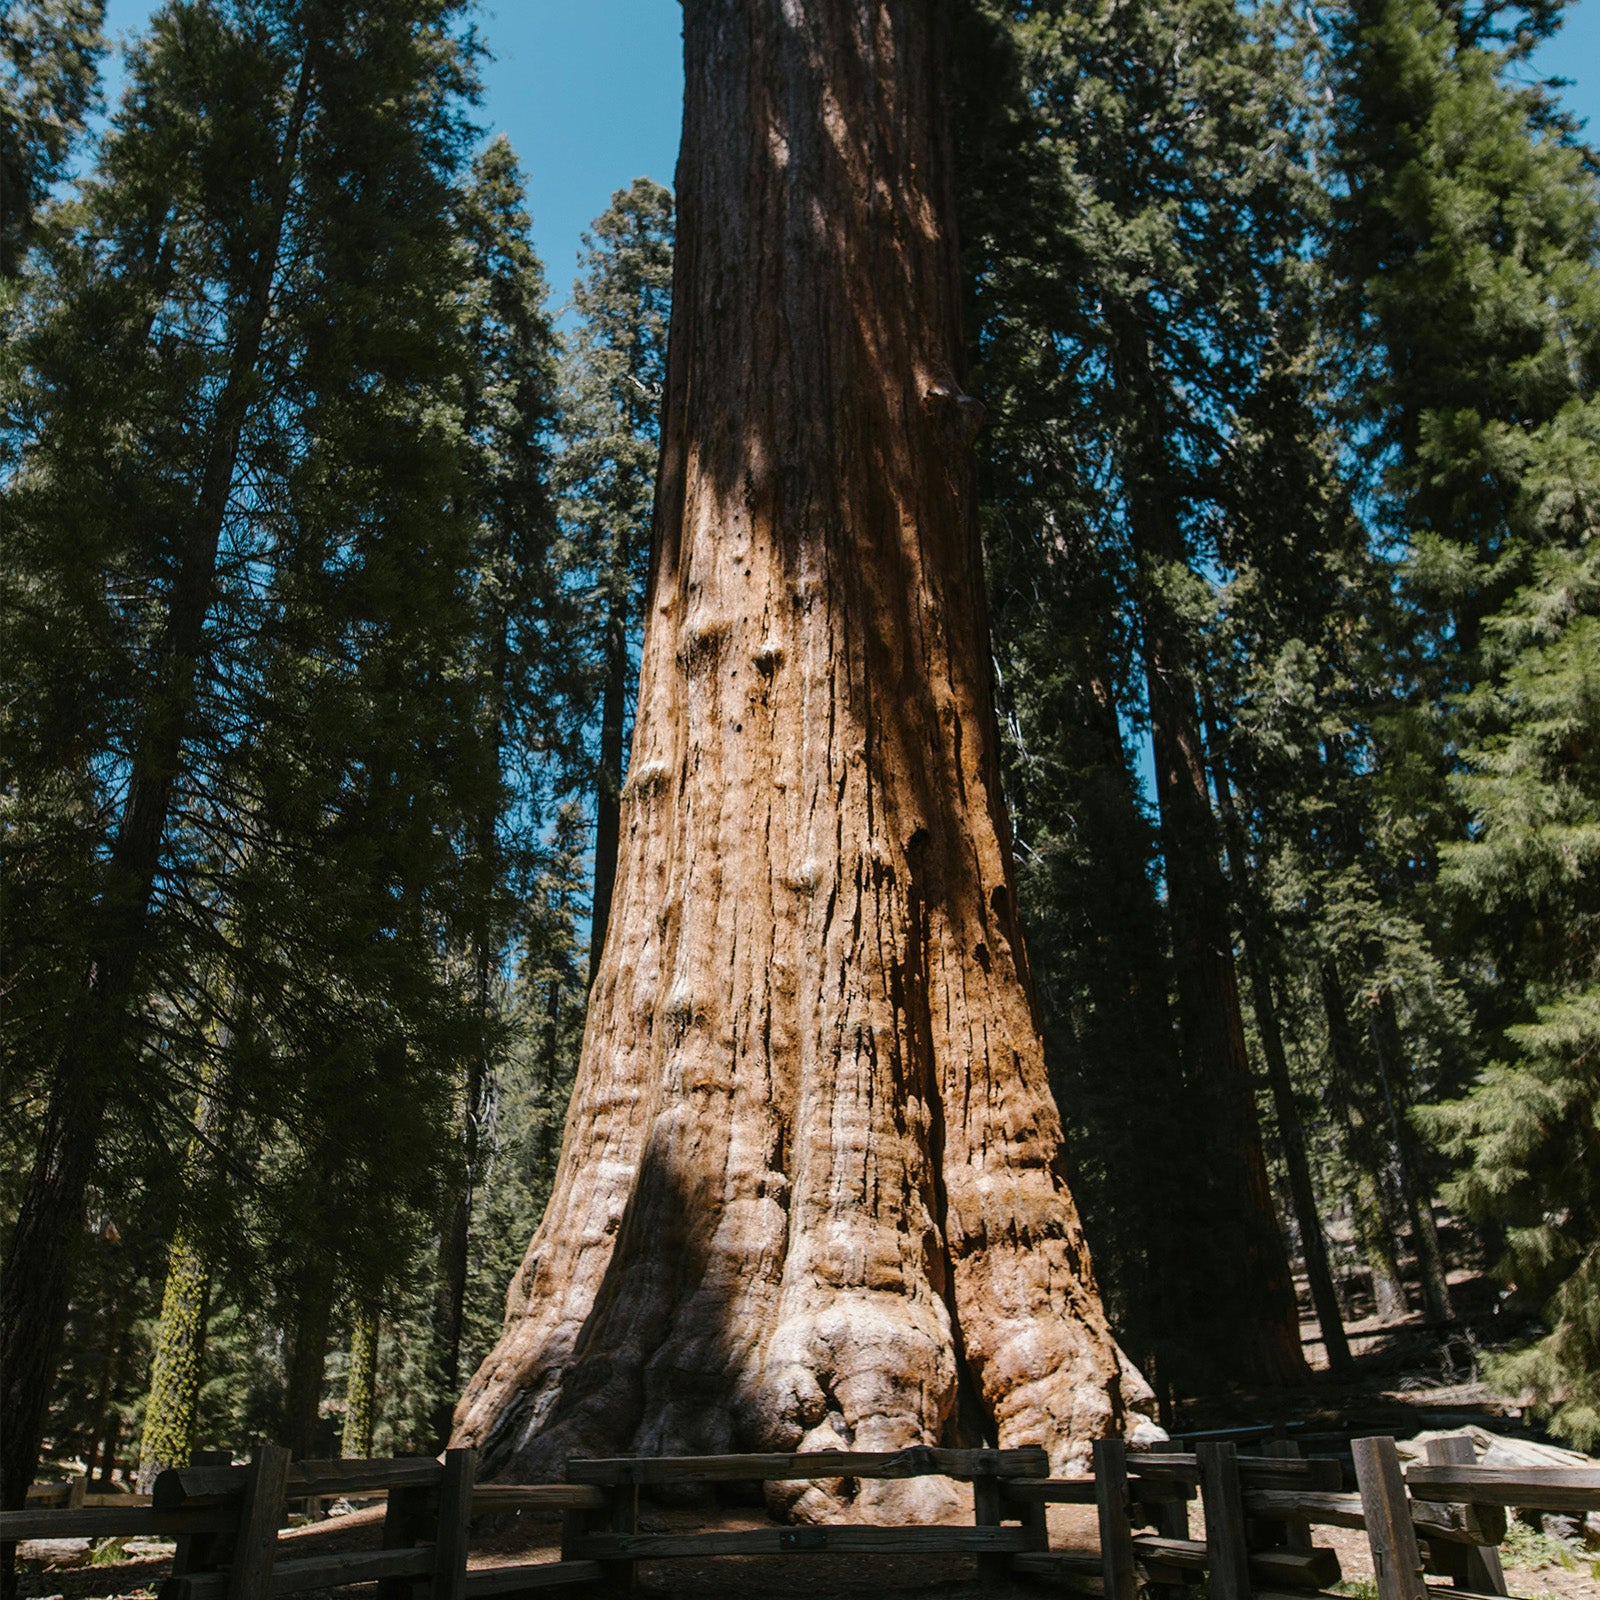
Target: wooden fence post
(1296, 1533)
(250, 1569)
(204, 1552)
(986, 1513)
(1222, 1500)
(1396, 1561)
(624, 1518)
(620, 1515)
(1116, 1533)
(455, 1512)
(405, 1521)
(1474, 1567)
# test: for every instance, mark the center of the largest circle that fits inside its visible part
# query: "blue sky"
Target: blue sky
(590, 92)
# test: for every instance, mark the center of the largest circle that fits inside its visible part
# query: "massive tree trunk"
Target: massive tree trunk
(810, 1193)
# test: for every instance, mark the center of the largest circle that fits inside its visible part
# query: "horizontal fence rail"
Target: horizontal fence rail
(918, 1462)
(1444, 1517)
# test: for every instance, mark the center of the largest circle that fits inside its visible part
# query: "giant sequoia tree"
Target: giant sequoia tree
(811, 1193)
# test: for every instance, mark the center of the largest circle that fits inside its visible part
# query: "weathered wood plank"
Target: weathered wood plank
(1172, 1522)
(1456, 1524)
(1187, 1554)
(1396, 1561)
(1459, 1524)
(987, 1512)
(308, 1572)
(1221, 1499)
(622, 1519)
(1158, 1492)
(455, 1513)
(354, 1566)
(1541, 1488)
(1323, 1510)
(1079, 1574)
(1116, 1535)
(1316, 1568)
(180, 1486)
(407, 1519)
(93, 1522)
(1048, 1491)
(491, 1498)
(360, 1477)
(846, 1540)
(483, 1582)
(1474, 1567)
(1263, 1472)
(919, 1461)
(1295, 1532)
(1310, 1569)
(250, 1570)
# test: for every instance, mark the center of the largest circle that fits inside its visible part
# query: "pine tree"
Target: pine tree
(361, 1385)
(613, 383)
(1530, 780)
(1470, 237)
(172, 1411)
(1124, 262)
(279, 564)
(49, 84)
(522, 624)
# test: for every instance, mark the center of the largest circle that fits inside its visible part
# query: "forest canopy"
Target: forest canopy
(327, 547)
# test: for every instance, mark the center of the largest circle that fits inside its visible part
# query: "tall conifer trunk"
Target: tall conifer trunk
(1375, 1222)
(1291, 1128)
(1387, 1048)
(172, 1410)
(36, 1284)
(810, 1192)
(1244, 1323)
(306, 1359)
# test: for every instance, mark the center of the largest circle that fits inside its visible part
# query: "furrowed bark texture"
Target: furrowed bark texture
(810, 1193)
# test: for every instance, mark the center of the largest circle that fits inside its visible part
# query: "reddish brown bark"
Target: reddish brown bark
(810, 1192)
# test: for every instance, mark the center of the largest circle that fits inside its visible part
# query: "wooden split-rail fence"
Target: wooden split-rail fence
(1443, 1517)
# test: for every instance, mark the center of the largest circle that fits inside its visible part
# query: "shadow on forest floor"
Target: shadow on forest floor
(1410, 1376)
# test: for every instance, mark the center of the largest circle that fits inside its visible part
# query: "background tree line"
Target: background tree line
(324, 565)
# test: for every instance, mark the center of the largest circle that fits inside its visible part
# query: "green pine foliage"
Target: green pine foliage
(613, 382)
(1531, 783)
(49, 83)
